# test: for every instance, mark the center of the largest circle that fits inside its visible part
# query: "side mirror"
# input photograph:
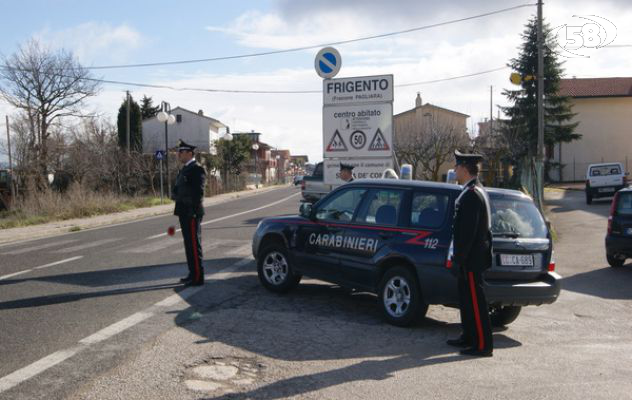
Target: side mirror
(305, 210)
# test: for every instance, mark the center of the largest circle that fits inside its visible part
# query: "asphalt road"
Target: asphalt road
(235, 340)
(56, 291)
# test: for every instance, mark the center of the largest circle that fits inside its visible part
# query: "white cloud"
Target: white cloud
(92, 41)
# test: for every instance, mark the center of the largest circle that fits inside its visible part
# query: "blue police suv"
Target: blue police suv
(393, 238)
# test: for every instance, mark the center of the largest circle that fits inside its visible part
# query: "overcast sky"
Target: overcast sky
(122, 32)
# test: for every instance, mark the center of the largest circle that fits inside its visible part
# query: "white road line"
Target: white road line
(40, 267)
(21, 375)
(40, 247)
(86, 245)
(15, 274)
(116, 328)
(233, 215)
(15, 378)
(59, 262)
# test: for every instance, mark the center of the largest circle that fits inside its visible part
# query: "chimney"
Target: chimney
(201, 113)
(418, 100)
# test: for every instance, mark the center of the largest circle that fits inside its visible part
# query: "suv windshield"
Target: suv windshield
(512, 217)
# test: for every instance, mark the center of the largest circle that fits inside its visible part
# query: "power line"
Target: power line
(207, 90)
(295, 49)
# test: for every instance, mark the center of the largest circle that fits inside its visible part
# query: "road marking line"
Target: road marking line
(14, 274)
(116, 328)
(87, 245)
(246, 248)
(17, 377)
(59, 262)
(40, 247)
(37, 367)
(40, 267)
(232, 216)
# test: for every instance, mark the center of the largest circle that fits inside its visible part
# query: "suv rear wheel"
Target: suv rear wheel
(614, 261)
(400, 297)
(503, 315)
(275, 269)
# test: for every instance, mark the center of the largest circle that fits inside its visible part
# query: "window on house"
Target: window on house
(178, 118)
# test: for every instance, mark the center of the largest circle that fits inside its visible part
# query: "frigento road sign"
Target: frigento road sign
(362, 89)
(364, 168)
(358, 130)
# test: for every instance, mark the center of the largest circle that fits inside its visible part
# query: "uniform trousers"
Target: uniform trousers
(190, 227)
(475, 320)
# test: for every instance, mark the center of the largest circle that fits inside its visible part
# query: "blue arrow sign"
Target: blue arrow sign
(159, 155)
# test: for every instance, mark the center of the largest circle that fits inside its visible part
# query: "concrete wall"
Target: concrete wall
(605, 124)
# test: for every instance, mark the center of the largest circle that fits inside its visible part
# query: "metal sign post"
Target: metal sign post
(159, 157)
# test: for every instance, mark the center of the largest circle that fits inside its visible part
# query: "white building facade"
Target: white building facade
(193, 128)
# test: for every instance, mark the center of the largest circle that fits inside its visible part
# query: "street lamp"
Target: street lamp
(278, 157)
(165, 116)
(255, 147)
(228, 137)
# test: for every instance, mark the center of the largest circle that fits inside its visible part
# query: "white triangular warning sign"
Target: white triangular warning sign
(378, 143)
(336, 143)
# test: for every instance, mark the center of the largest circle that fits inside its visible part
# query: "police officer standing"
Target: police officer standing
(188, 193)
(346, 172)
(472, 256)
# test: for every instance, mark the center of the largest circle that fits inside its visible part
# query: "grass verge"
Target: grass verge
(77, 202)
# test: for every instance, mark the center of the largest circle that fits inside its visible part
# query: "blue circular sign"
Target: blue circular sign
(327, 62)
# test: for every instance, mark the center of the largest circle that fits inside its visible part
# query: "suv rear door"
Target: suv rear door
(374, 228)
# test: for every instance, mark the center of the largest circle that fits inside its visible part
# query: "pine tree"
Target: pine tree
(523, 114)
(147, 109)
(135, 126)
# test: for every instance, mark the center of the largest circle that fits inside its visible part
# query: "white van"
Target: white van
(604, 180)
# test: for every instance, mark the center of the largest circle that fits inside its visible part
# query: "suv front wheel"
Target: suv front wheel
(275, 269)
(400, 297)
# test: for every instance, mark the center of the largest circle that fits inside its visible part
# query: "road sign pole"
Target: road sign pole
(161, 183)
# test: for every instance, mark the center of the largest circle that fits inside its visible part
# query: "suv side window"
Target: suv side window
(428, 210)
(383, 207)
(341, 206)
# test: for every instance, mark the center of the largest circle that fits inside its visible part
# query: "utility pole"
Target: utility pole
(10, 159)
(127, 123)
(492, 166)
(540, 86)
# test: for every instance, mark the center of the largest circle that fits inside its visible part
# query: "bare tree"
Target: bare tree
(430, 148)
(47, 86)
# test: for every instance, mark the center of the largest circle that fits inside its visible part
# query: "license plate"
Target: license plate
(516, 260)
(606, 190)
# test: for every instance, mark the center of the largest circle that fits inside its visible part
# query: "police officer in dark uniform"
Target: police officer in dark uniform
(472, 256)
(188, 193)
(346, 172)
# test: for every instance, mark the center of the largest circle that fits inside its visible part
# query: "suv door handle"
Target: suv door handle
(386, 235)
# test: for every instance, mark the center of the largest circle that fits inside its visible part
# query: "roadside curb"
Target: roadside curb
(55, 228)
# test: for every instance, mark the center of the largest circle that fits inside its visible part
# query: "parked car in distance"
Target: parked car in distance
(619, 236)
(298, 179)
(604, 180)
(313, 187)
